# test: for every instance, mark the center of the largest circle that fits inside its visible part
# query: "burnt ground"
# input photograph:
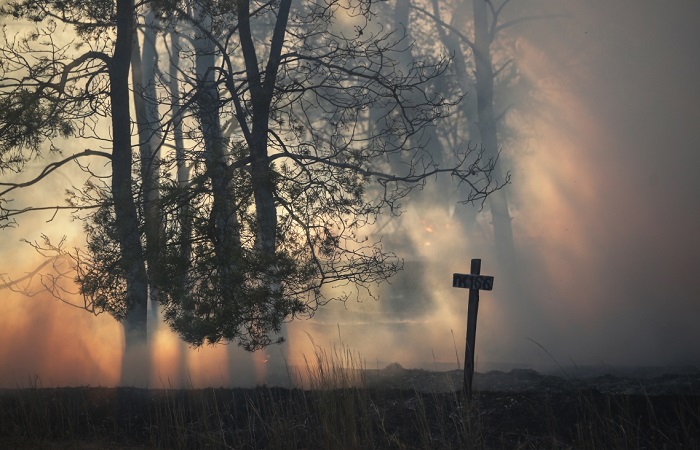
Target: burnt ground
(632, 381)
(399, 408)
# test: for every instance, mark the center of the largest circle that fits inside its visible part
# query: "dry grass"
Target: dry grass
(336, 410)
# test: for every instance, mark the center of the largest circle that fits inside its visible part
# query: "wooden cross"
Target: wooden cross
(474, 282)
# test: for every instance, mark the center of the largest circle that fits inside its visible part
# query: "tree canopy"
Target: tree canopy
(283, 131)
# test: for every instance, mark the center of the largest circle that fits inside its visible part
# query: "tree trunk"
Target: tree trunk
(442, 190)
(127, 223)
(498, 201)
(224, 226)
(143, 67)
(468, 105)
(261, 91)
(513, 289)
(262, 87)
(183, 181)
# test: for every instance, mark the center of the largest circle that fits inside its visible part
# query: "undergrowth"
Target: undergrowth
(336, 410)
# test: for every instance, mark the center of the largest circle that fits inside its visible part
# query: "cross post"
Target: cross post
(474, 281)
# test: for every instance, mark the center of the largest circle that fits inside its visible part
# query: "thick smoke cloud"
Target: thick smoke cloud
(605, 207)
(621, 82)
(604, 204)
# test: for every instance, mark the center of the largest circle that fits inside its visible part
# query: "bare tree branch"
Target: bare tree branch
(51, 167)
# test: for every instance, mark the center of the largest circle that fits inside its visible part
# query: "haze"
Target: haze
(605, 200)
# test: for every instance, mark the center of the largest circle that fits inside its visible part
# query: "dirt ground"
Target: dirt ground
(398, 408)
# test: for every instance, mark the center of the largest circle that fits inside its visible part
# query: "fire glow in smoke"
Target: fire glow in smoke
(605, 217)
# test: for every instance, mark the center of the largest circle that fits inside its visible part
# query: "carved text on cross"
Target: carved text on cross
(470, 281)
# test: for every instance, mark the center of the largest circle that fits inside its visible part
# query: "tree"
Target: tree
(300, 87)
(62, 90)
(481, 35)
(477, 29)
(144, 66)
(277, 199)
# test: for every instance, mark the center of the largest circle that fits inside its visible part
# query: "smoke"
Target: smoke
(609, 184)
(605, 217)
(604, 205)
(44, 343)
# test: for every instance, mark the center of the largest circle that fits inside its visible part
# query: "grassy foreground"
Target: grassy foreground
(336, 410)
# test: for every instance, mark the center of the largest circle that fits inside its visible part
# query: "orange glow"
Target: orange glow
(56, 345)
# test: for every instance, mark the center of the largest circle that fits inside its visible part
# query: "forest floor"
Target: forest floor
(394, 408)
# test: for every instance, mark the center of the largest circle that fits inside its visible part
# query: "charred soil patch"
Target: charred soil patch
(375, 416)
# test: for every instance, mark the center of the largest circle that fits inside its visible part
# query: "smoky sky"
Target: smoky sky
(635, 79)
(605, 200)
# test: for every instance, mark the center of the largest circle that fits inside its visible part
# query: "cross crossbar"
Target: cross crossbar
(469, 281)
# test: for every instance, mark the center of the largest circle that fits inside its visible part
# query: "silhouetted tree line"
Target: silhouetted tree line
(244, 147)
